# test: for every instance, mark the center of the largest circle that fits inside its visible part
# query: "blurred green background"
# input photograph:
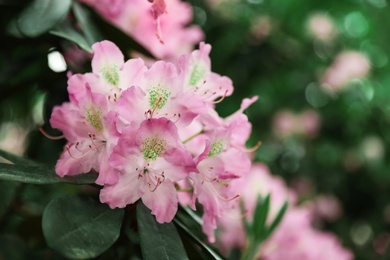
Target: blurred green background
(323, 117)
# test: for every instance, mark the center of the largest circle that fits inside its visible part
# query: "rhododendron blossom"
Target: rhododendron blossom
(145, 131)
(89, 127)
(149, 160)
(159, 25)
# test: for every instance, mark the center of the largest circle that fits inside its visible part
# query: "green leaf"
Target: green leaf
(206, 251)
(83, 16)
(260, 217)
(40, 175)
(16, 159)
(277, 219)
(80, 227)
(41, 15)
(66, 31)
(158, 241)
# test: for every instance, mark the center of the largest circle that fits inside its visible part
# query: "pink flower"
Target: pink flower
(149, 161)
(322, 26)
(161, 26)
(160, 95)
(90, 130)
(110, 74)
(326, 207)
(347, 66)
(223, 159)
(295, 239)
(198, 78)
(286, 123)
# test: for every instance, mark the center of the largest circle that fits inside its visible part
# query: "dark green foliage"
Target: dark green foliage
(158, 241)
(80, 228)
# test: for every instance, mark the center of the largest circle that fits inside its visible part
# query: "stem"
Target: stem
(193, 136)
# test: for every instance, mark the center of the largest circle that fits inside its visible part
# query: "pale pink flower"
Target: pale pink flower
(161, 95)
(326, 207)
(309, 123)
(197, 77)
(161, 26)
(149, 160)
(284, 123)
(217, 165)
(295, 239)
(322, 27)
(110, 74)
(287, 123)
(222, 159)
(89, 127)
(347, 66)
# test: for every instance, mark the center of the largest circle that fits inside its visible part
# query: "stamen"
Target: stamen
(172, 117)
(206, 178)
(155, 106)
(252, 149)
(157, 178)
(77, 147)
(221, 99)
(223, 198)
(50, 136)
(92, 137)
(76, 157)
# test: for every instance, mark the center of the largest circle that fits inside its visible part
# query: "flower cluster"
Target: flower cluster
(152, 132)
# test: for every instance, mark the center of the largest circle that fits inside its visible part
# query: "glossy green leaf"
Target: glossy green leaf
(260, 216)
(79, 227)
(206, 251)
(17, 159)
(158, 241)
(41, 15)
(66, 31)
(83, 16)
(40, 175)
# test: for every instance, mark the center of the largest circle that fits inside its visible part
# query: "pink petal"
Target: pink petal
(163, 202)
(107, 60)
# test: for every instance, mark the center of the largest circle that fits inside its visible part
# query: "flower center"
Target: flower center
(110, 74)
(216, 148)
(196, 74)
(158, 97)
(94, 118)
(152, 148)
